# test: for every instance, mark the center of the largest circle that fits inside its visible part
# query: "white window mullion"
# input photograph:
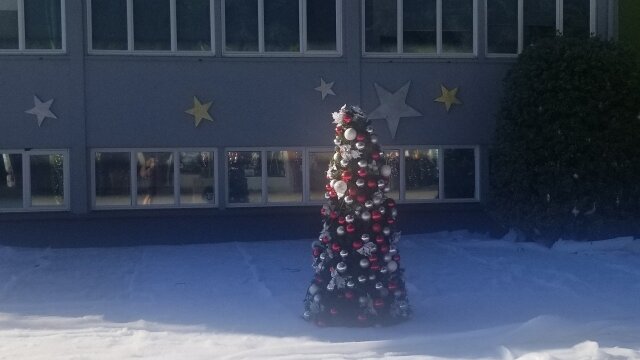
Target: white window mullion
(439, 27)
(441, 194)
(559, 16)
(520, 26)
(21, 31)
(133, 166)
(212, 27)
(400, 26)
(261, 26)
(339, 26)
(263, 179)
(302, 23)
(402, 178)
(592, 18)
(305, 176)
(475, 27)
(176, 177)
(63, 27)
(174, 25)
(26, 180)
(477, 167)
(89, 31)
(66, 178)
(130, 33)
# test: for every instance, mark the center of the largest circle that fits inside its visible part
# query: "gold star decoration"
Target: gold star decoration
(200, 111)
(448, 97)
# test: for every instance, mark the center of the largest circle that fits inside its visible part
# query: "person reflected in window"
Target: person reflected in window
(149, 179)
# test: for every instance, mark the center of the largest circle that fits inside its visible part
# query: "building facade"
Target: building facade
(109, 105)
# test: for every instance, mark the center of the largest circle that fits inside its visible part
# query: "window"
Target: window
(158, 178)
(282, 183)
(281, 26)
(32, 25)
(435, 174)
(151, 26)
(34, 180)
(422, 27)
(318, 166)
(515, 24)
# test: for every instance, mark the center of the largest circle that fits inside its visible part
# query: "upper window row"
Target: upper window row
(411, 27)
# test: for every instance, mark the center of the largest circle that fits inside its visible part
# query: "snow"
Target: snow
(473, 297)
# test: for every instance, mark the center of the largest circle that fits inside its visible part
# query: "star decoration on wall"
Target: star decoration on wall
(393, 106)
(448, 97)
(325, 88)
(200, 111)
(41, 110)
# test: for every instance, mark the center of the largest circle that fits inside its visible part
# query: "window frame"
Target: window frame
(26, 180)
(400, 35)
(559, 26)
(302, 36)
(133, 178)
(131, 31)
(22, 50)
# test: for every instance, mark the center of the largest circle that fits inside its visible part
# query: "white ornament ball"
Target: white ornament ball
(374, 139)
(366, 216)
(340, 230)
(385, 170)
(365, 237)
(360, 145)
(337, 141)
(392, 266)
(348, 199)
(350, 134)
(340, 187)
(313, 289)
(350, 218)
(342, 267)
(317, 298)
(362, 163)
(360, 182)
(364, 263)
(336, 156)
(344, 162)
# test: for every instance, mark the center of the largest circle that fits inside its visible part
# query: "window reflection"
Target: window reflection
(419, 26)
(576, 18)
(502, 26)
(381, 26)
(281, 25)
(241, 25)
(47, 180)
(109, 24)
(151, 25)
(9, 24)
(421, 174)
(113, 178)
(11, 181)
(42, 24)
(284, 176)
(392, 158)
(193, 25)
(457, 26)
(539, 20)
(196, 177)
(155, 178)
(321, 30)
(459, 173)
(244, 177)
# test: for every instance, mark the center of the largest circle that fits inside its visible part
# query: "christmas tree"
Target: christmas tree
(358, 280)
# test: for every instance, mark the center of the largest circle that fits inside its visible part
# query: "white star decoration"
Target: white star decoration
(41, 110)
(325, 88)
(393, 107)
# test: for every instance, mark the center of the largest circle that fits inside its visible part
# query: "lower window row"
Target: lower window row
(143, 178)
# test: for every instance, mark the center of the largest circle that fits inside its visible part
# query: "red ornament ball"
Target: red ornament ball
(396, 257)
(375, 156)
(362, 318)
(346, 175)
(316, 252)
(372, 183)
(349, 295)
(384, 249)
(333, 215)
(328, 187)
(391, 203)
(360, 137)
(341, 220)
(346, 118)
(336, 247)
(390, 221)
(378, 303)
(373, 259)
(376, 215)
(325, 239)
(357, 244)
(392, 286)
(352, 192)
(362, 173)
(361, 198)
(376, 228)
(333, 311)
(351, 228)
(375, 267)
(379, 239)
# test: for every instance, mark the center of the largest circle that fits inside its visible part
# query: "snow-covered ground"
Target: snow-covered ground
(473, 298)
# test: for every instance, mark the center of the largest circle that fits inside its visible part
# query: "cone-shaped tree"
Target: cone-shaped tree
(358, 280)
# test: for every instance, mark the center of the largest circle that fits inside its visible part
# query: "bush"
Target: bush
(566, 161)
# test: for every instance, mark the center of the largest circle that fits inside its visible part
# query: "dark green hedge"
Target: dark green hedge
(566, 161)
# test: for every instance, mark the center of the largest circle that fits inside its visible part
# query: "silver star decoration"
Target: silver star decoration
(393, 107)
(41, 110)
(325, 88)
